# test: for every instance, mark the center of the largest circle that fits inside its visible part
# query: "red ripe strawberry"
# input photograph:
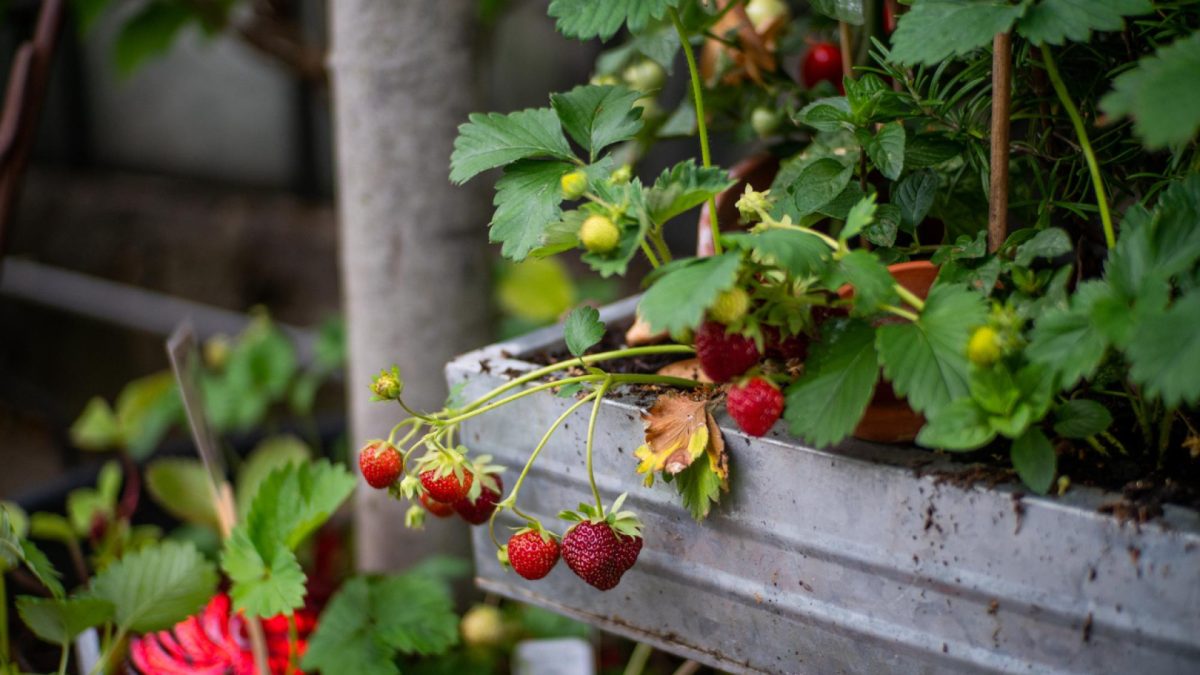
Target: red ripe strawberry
(755, 405)
(436, 508)
(531, 554)
(823, 62)
(381, 464)
(724, 356)
(598, 555)
(478, 511)
(446, 488)
(790, 347)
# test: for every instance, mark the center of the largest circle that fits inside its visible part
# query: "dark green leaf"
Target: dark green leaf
(1066, 340)
(699, 486)
(1048, 243)
(262, 585)
(296, 500)
(1055, 21)
(149, 33)
(586, 19)
(828, 400)
(678, 299)
(493, 140)
(1034, 459)
(1165, 356)
(1162, 94)
(799, 253)
(926, 150)
(961, 425)
(850, 11)
(1080, 418)
(61, 621)
(684, 187)
(818, 184)
(274, 452)
(527, 199)
(583, 329)
(933, 31)
(873, 284)
(883, 231)
(41, 567)
(827, 114)
(886, 150)
(156, 587)
(914, 196)
(598, 116)
(926, 359)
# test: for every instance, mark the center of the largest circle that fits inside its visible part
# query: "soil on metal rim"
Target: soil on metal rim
(1140, 489)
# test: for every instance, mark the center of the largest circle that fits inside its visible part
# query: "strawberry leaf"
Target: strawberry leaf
(62, 620)
(826, 403)
(1161, 94)
(1055, 21)
(492, 140)
(678, 299)
(598, 116)
(926, 359)
(873, 284)
(263, 585)
(1165, 357)
(1080, 418)
(799, 253)
(583, 329)
(1034, 459)
(181, 486)
(933, 31)
(961, 425)
(296, 500)
(682, 188)
(700, 486)
(1066, 340)
(41, 567)
(586, 19)
(859, 217)
(156, 587)
(272, 453)
(527, 204)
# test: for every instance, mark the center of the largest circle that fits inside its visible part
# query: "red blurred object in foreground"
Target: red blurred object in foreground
(215, 642)
(823, 62)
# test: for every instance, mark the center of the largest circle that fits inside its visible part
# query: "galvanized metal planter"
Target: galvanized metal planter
(859, 558)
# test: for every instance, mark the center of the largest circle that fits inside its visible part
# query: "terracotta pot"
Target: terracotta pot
(758, 172)
(888, 418)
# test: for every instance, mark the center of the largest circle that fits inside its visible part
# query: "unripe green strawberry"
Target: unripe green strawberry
(573, 184)
(645, 75)
(730, 306)
(764, 13)
(483, 626)
(623, 174)
(599, 234)
(604, 80)
(764, 121)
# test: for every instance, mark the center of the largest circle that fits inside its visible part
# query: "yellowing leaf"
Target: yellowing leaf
(679, 429)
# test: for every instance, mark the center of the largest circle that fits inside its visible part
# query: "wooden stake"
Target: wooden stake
(1001, 110)
(844, 37)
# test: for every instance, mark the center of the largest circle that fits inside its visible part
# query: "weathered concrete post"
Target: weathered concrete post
(414, 271)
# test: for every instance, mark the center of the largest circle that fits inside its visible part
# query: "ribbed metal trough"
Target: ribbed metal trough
(857, 559)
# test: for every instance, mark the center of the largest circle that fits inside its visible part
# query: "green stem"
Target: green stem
(591, 433)
(909, 297)
(1060, 88)
(589, 360)
(701, 123)
(293, 643)
(62, 660)
(660, 245)
(829, 241)
(637, 660)
(902, 313)
(101, 663)
(3, 620)
(649, 254)
(1114, 441)
(1091, 440)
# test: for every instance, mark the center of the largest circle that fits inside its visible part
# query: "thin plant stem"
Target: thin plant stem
(829, 241)
(293, 642)
(3, 620)
(660, 245)
(902, 313)
(649, 254)
(113, 645)
(909, 297)
(701, 122)
(588, 359)
(62, 660)
(1060, 88)
(687, 668)
(591, 433)
(639, 657)
(845, 40)
(512, 495)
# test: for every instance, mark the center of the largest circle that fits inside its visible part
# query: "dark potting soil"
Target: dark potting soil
(1140, 485)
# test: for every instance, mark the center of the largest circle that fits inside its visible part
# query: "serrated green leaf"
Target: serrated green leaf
(491, 140)
(1161, 94)
(370, 620)
(873, 284)
(527, 204)
(1048, 243)
(926, 360)
(273, 452)
(828, 400)
(17, 518)
(933, 31)
(677, 300)
(818, 184)
(839, 207)
(1080, 418)
(583, 329)
(598, 116)
(914, 196)
(296, 500)
(263, 586)
(263, 361)
(156, 587)
(961, 425)
(1154, 247)
(1067, 341)
(886, 149)
(860, 216)
(682, 188)
(1055, 21)
(41, 567)
(182, 486)
(827, 114)
(850, 11)
(1034, 459)
(699, 486)
(11, 553)
(96, 429)
(61, 621)
(1165, 356)
(798, 253)
(586, 19)
(882, 232)
(148, 33)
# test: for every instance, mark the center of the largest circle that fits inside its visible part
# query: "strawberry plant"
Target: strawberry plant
(1026, 163)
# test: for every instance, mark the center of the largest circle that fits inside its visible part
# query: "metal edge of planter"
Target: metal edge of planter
(859, 558)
